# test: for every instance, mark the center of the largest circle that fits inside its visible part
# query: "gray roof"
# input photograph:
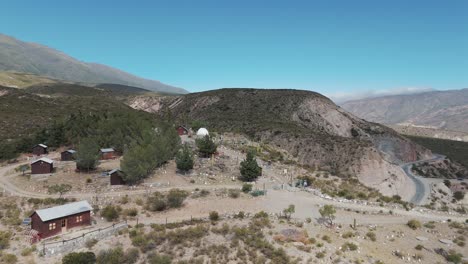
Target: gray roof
(47, 160)
(72, 151)
(63, 210)
(107, 149)
(112, 171)
(42, 145)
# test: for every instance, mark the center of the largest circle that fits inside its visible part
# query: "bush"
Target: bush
(326, 238)
(156, 202)
(214, 216)
(27, 251)
(414, 224)
(257, 193)
(418, 247)
(5, 237)
(246, 187)
(454, 257)
(184, 159)
(349, 246)
(176, 198)
(371, 236)
(8, 259)
(110, 213)
(79, 258)
(159, 259)
(206, 146)
(234, 193)
(131, 212)
(90, 243)
(458, 195)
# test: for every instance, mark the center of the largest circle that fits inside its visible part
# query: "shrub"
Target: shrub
(371, 236)
(90, 243)
(418, 247)
(108, 256)
(234, 193)
(159, 259)
(320, 254)
(430, 225)
(246, 187)
(257, 193)
(214, 216)
(79, 258)
(184, 159)
(326, 238)
(348, 234)
(349, 246)
(454, 257)
(110, 213)
(414, 224)
(176, 198)
(9, 259)
(27, 251)
(458, 195)
(156, 202)
(206, 146)
(5, 237)
(131, 212)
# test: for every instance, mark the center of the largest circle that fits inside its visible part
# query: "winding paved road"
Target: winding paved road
(422, 187)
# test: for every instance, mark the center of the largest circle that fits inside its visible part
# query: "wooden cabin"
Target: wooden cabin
(40, 149)
(42, 166)
(55, 220)
(67, 155)
(116, 177)
(181, 130)
(107, 153)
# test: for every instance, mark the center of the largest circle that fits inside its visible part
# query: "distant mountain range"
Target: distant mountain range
(19, 56)
(446, 110)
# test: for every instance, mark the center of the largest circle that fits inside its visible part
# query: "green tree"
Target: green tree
(184, 159)
(87, 155)
(328, 212)
(249, 168)
(79, 258)
(59, 188)
(289, 211)
(206, 146)
(197, 124)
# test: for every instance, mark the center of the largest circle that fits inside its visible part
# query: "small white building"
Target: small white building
(202, 132)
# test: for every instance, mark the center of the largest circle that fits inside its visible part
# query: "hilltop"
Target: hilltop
(446, 110)
(316, 132)
(33, 58)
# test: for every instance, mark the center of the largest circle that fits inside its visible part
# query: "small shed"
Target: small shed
(54, 220)
(39, 149)
(67, 155)
(107, 153)
(181, 130)
(116, 177)
(42, 166)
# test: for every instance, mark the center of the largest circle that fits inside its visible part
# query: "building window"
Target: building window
(64, 222)
(51, 226)
(79, 219)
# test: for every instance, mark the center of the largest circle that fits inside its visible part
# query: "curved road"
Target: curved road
(422, 187)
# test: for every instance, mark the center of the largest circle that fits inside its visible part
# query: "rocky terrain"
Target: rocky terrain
(420, 131)
(306, 124)
(447, 110)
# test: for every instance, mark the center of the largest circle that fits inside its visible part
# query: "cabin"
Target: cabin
(55, 220)
(42, 166)
(107, 153)
(181, 130)
(67, 155)
(39, 149)
(116, 177)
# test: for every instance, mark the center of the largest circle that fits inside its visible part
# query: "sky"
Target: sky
(338, 48)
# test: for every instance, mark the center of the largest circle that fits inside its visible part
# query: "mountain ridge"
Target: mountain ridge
(435, 109)
(16, 55)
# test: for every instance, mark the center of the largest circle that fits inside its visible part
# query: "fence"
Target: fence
(67, 245)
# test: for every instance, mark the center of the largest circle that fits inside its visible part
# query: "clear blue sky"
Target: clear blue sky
(326, 46)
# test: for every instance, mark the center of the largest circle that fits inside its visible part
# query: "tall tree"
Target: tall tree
(184, 159)
(328, 212)
(249, 168)
(87, 155)
(206, 146)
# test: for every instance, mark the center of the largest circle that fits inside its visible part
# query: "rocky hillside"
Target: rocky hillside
(306, 124)
(446, 110)
(19, 56)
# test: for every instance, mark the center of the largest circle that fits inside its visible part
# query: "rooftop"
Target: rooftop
(63, 210)
(44, 159)
(42, 145)
(107, 150)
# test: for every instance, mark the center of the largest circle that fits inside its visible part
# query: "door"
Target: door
(64, 225)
